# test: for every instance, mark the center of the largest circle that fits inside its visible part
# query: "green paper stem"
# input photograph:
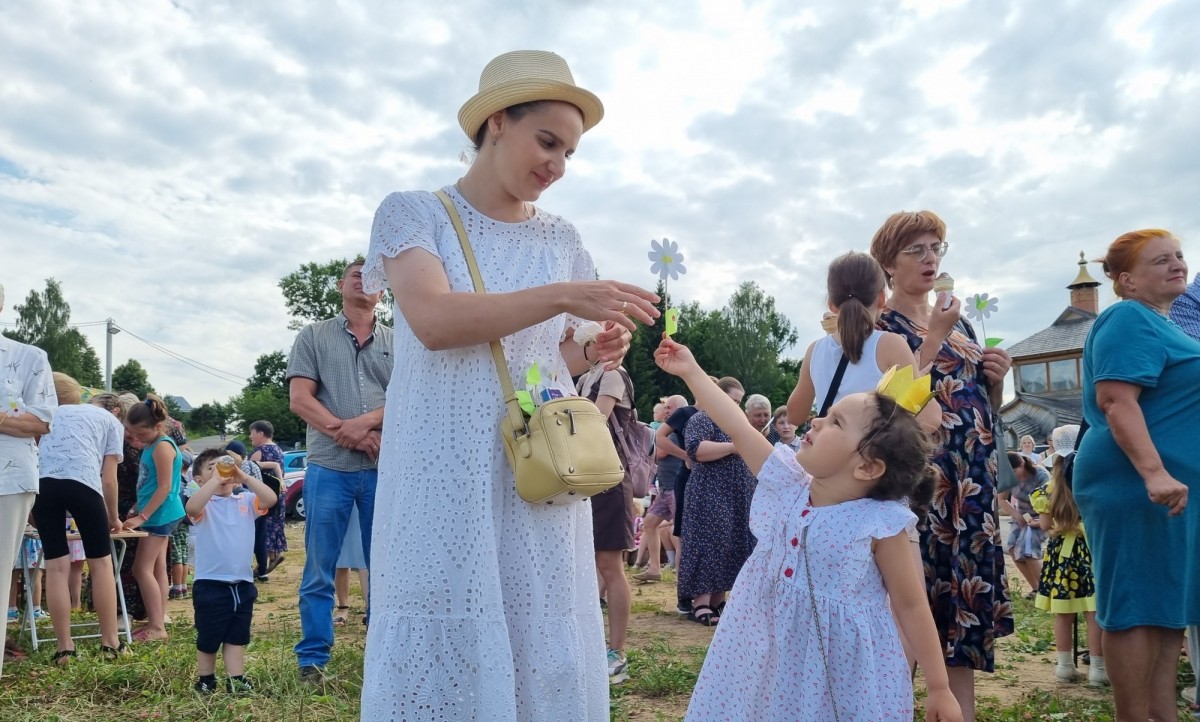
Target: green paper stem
(992, 342)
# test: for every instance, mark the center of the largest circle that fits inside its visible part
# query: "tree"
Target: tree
(209, 418)
(131, 376)
(44, 321)
(269, 404)
(751, 335)
(265, 396)
(270, 371)
(310, 293)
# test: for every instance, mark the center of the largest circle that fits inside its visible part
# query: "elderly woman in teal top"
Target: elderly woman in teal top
(1134, 470)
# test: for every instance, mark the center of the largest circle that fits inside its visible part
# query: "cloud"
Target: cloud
(170, 162)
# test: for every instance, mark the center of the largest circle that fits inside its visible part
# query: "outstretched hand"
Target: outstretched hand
(675, 358)
(612, 302)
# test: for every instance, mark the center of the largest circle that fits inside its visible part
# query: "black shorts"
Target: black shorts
(58, 497)
(223, 613)
(612, 518)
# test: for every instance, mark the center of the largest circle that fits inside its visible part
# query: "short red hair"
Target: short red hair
(898, 232)
(1123, 253)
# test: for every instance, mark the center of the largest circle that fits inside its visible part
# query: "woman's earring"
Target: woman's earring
(493, 142)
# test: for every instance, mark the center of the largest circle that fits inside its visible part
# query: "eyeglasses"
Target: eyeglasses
(919, 252)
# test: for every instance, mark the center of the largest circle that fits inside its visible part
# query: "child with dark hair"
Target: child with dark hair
(854, 356)
(159, 509)
(808, 632)
(223, 592)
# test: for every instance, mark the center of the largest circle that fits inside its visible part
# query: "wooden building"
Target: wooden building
(1046, 367)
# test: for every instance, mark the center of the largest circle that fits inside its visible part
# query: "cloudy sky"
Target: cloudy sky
(169, 162)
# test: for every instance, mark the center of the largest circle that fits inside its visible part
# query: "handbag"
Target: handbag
(563, 452)
(1006, 478)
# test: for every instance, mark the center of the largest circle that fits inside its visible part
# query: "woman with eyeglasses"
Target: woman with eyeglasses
(960, 541)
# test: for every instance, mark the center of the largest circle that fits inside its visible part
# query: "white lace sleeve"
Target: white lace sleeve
(582, 269)
(402, 222)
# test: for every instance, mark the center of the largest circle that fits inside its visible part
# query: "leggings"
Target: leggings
(59, 497)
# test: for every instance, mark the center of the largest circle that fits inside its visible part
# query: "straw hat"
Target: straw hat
(523, 76)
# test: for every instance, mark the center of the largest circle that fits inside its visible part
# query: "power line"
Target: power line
(199, 366)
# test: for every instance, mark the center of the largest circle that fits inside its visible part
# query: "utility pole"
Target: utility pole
(112, 331)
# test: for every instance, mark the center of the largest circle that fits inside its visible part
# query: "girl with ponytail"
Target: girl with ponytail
(158, 510)
(856, 294)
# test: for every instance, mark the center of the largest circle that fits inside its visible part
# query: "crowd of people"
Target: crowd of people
(836, 543)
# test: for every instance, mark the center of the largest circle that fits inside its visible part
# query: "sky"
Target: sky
(168, 163)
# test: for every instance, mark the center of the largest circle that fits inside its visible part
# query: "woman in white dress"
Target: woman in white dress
(485, 607)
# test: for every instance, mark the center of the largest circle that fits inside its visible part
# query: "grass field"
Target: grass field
(665, 655)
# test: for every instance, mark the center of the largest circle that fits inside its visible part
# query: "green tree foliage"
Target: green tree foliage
(44, 321)
(131, 376)
(209, 418)
(751, 335)
(744, 340)
(265, 397)
(310, 294)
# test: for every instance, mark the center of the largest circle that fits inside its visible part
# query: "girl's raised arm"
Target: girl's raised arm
(677, 360)
(911, 605)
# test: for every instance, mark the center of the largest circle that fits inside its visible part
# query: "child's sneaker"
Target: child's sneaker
(14, 615)
(206, 685)
(238, 685)
(616, 667)
(175, 593)
(1098, 677)
(39, 614)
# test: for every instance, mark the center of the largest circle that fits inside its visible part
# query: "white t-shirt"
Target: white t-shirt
(225, 538)
(75, 448)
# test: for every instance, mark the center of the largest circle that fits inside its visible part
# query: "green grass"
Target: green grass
(155, 682)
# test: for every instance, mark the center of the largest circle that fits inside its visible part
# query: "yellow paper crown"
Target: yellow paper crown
(899, 385)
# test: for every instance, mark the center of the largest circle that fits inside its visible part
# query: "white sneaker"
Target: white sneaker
(1098, 678)
(1065, 674)
(616, 667)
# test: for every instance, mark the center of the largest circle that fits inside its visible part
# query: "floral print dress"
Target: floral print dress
(960, 538)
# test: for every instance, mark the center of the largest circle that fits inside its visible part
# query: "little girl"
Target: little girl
(855, 286)
(159, 509)
(1066, 586)
(808, 633)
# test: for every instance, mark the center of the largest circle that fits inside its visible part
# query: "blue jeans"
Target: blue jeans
(328, 498)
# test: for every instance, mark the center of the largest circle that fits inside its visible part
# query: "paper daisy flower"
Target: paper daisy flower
(666, 260)
(981, 306)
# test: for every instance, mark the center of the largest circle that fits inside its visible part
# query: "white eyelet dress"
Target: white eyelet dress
(483, 606)
(787, 651)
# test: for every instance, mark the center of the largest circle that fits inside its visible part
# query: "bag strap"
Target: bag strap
(513, 407)
(834, 385)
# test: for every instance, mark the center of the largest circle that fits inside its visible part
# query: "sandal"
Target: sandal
(111, 654)
(63, 657)
(705, 615)
(339, 617)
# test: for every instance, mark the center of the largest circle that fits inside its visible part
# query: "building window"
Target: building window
(1064, 375)
(1032, 378)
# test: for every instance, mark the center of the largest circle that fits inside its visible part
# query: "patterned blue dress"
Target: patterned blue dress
(960, 538)
(716, 521)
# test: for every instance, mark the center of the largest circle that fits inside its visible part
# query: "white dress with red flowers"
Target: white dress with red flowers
(783, 652)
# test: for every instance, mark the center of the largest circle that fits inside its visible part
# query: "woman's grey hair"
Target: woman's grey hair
(757, 401)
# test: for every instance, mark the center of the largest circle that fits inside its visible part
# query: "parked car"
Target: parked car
(293, 499)
(294, 464)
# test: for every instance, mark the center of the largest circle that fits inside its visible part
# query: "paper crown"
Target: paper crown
(899, 385)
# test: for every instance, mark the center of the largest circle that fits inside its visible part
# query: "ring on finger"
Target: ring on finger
(624, 306)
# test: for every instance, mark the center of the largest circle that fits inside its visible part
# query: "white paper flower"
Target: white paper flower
(981, 306)
(587, 332)
(666, 260)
